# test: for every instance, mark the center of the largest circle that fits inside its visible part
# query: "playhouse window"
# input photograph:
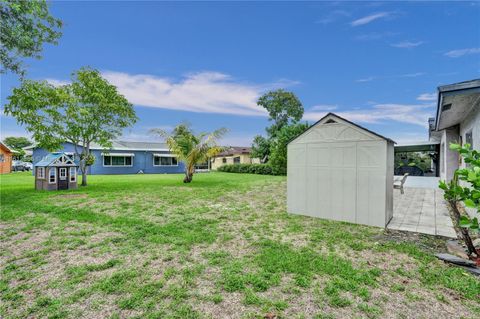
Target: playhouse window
(52, 175)
(41, 172)
(73, 174)
(164, 161)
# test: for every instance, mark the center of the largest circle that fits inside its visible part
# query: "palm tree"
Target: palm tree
(190, 148)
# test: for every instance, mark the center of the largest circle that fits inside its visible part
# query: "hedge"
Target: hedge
(262, 169)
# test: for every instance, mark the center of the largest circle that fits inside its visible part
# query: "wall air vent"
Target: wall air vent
(446, 107)
(330, 121)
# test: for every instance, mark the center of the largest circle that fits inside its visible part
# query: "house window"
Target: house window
(52, 175)
(63, 173)
(224, 160)
(236, 160)
(73, 174)
(110, 160)
(40, 172)
(164, 161)
(2, 158)
(469, 138)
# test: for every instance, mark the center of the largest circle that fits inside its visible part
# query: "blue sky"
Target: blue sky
(377, 64)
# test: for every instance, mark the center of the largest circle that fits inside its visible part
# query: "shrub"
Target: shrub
(261, 169)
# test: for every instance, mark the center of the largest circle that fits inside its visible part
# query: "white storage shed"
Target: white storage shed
(339, 170)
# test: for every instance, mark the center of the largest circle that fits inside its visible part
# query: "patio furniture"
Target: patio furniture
(398, 183)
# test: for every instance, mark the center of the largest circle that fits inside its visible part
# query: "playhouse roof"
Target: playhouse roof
(57, 159)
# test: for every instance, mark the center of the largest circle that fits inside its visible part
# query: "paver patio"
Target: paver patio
(421, 210)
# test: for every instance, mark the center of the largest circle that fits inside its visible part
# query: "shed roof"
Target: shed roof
(57, 159)
(333, 115)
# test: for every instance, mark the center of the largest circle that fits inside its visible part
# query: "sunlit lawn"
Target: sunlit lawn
(149, 246)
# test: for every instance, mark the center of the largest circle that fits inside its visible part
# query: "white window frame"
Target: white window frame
(160, 165)
(54, 175)
(60, 170)
(74, 175)
(113, 155)
(42, 171)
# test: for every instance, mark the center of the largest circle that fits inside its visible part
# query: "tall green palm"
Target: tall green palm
(190, 148)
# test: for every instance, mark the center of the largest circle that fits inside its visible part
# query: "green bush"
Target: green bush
(262, 169)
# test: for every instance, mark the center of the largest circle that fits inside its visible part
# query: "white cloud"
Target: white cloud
(406, 44)
(367, 79)
(369, 18)
(323, 107)
(333, 16)
(427, 97)
(379, 113)
(206, 92)
(375, 36)
(405, 75)
(462, 52)
(56, 82)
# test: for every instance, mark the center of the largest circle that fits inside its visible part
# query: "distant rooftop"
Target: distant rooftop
(235, 150)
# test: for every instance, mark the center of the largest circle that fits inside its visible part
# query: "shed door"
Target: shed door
(62, 178)
(331, 180)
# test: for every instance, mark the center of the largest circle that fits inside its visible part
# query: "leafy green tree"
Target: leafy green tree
(283, 107)
(467, 192)
(278, 150)
(88, 110)
(190, 148)
(260, 147)
(17, 143)
(24, 27)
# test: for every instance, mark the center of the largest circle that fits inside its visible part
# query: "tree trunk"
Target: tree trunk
(84, 177)
(466, 236)
(188, 175)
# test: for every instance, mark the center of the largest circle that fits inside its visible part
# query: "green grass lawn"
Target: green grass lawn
(149, 246)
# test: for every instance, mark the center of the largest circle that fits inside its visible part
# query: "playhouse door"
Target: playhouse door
(62, 178)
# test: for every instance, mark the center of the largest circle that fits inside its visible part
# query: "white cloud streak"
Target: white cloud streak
(407, 44)
(416, 114)
(369, 18)
(56, 82)
(205, 92)
(427, 97)
(405, 75)
(323, 107)
(461, 52)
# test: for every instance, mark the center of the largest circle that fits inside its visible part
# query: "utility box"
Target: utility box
(341, 171)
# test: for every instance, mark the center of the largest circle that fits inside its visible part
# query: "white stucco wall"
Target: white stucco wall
(449, 158)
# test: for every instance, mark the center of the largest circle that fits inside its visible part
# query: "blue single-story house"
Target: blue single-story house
(124, 158)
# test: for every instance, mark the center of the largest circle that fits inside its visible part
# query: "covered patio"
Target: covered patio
(422, 210)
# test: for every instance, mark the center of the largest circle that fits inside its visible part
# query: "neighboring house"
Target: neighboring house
(124, 158)
(457, 121)
(5, 159)
(233, 155)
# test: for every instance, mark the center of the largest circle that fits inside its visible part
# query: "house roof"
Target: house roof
(235, 150)
(455, 101)
(125, 146)
(55, 159)
(7, 148)
(329, 115)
